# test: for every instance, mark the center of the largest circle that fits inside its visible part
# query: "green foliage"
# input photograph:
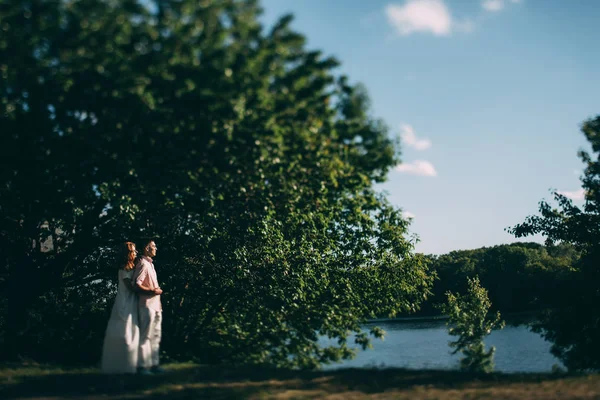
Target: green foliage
(519, 276)
(242, 152)
(469, 320)
(572, 320)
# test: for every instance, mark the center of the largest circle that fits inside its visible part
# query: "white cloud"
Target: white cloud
(493, 5)
(418, 167)
(408, 215)
(433, 16)
(496, 5)
(430, 16)
(465, 26)
(576, 195)
(409, 137)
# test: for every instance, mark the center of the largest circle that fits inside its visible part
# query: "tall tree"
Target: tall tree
(572, 322)
(243, 153)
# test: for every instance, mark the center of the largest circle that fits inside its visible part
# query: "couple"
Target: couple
(132, 338)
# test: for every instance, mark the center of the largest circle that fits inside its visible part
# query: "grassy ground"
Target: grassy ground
(189, 381)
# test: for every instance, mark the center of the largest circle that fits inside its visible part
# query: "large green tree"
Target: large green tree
(572, 321)
(242, 152)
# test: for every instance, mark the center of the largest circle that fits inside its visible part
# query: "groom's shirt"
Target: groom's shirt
(145, 274)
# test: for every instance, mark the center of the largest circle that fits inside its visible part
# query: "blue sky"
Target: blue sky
(487, 95)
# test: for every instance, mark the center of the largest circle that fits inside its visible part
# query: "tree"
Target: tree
(518, 277)
(469, 321)
(572, 320)
(247, 158)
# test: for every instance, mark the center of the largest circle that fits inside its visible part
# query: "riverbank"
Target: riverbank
(191, 381)
(519, 316)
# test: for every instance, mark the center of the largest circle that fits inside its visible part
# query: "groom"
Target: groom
(150, 310)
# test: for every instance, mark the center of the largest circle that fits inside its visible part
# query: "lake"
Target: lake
(424, 345)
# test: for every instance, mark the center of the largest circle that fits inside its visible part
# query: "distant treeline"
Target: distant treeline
(519, 276)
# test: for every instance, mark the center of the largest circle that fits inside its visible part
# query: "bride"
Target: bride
(120, 350)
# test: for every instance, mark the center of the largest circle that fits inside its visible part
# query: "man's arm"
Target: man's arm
(140, 280)
(146, 289)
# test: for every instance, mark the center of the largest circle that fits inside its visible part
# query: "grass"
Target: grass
(191, 381)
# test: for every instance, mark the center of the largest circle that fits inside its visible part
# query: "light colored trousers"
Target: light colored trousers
(150, 332)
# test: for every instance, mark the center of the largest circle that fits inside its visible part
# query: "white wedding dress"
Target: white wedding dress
(121, 341)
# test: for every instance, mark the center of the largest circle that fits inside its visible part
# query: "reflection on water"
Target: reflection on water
(424, 344)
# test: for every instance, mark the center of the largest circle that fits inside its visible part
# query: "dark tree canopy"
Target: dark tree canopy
(247, 158)
(520, 277)
(572, 322)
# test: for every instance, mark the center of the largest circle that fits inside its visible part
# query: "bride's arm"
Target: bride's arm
(129, 283)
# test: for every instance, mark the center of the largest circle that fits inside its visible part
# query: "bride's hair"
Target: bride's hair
(128, 255)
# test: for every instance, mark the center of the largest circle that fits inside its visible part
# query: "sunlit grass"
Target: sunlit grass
(188, 380)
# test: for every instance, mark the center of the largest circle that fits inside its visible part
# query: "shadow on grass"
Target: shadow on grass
(197, 381)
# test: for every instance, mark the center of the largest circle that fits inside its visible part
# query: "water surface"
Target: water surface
(424, 344)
